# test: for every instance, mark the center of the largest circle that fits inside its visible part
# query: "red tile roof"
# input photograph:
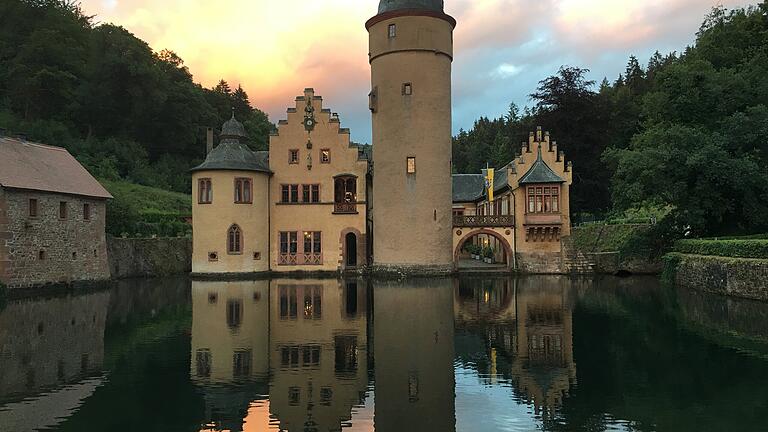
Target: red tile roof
(28, 165)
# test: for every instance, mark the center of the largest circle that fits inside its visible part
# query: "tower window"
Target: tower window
(392, 31)
(86, 211)
(407, 89)
(205, 191)
(62, 210)
(411, 165)
(373, 102)
(243, 191)
(234, 240)
(325, 156)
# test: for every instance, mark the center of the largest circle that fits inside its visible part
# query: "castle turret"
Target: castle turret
(411, 51)
(230, 213)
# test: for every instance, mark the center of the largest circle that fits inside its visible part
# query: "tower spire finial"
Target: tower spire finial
(233, 112)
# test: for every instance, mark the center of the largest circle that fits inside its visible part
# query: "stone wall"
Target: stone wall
(149, 257)
(47, 248)
(737, 277)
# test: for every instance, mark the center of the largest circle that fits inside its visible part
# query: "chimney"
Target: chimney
(209, 140)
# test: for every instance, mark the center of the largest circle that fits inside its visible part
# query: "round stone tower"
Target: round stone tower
(411, 51)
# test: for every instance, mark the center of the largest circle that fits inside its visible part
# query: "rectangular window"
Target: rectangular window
(289, 193)
(293, 156)
(86, 211)
(407, 89)
(392, 30)
(32, 207)
(289, 242)
(411, 165)
(285, 195)
(243, 191)
(315, 196)
(204, 191)
(310, 193)
(458, 212)
(325, 156)
(62, 210)
(312, 242)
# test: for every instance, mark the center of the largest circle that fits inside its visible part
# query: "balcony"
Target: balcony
(485, 221)
(345, 207)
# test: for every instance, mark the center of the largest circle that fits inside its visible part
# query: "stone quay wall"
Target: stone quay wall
(736, 277)
(47, 248)
(132, 257)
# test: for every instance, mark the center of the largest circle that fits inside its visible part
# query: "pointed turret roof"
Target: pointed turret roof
(540, 172)
(232, 153)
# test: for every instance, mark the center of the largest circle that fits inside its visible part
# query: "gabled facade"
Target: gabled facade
(299, 207)
(529, 213)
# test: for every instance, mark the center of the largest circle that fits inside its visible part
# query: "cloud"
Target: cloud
(503, 47)
(506, 70)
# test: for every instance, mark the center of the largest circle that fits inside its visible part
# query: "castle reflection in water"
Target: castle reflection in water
(298, 355)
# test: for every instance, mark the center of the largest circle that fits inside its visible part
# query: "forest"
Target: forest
(125, 111)
(683, 138)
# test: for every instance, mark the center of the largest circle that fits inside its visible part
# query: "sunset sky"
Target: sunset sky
(275, 49)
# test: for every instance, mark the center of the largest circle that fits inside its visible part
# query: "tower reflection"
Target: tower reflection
(414, 349)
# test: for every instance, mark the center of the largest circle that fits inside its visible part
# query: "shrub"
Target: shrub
(725, 248)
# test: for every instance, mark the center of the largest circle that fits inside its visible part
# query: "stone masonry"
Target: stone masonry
(47, 248)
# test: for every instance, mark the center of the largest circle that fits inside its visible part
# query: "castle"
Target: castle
(317, 202)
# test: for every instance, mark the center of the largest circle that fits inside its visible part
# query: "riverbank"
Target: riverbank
(729, 276)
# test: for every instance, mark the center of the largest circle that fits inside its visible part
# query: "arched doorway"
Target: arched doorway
(483, 249)
(350, 260)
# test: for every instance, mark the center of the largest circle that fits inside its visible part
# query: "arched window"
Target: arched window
(234, 240)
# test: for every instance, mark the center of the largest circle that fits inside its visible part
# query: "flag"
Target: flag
(489, 182)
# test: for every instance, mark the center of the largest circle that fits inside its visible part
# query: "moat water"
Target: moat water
(469, 354)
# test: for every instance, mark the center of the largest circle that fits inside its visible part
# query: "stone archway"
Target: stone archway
(497, 233)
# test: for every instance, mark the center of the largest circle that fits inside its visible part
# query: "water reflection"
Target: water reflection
(51, 354)
(476, 354)
(414, 350)
(302, 342)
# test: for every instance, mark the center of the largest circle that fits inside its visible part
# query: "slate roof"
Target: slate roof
(231, 154)
(540, 172)
(468, 187)
(34, 166)
(500, 179)
(392, 5)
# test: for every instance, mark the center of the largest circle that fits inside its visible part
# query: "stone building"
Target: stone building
(52, 217)
(317, 202)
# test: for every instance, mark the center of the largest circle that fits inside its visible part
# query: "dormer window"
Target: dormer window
(392, 31)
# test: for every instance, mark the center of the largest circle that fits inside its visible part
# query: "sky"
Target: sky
(503, 48)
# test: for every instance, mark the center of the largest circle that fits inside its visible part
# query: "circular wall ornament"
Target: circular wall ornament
(507, 232)
(458, 232)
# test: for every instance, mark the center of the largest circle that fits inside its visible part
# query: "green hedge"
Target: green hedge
(726, 248)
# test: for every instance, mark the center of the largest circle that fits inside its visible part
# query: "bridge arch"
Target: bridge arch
(503, 235)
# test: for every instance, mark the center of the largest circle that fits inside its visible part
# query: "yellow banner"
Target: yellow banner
(489, 183)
